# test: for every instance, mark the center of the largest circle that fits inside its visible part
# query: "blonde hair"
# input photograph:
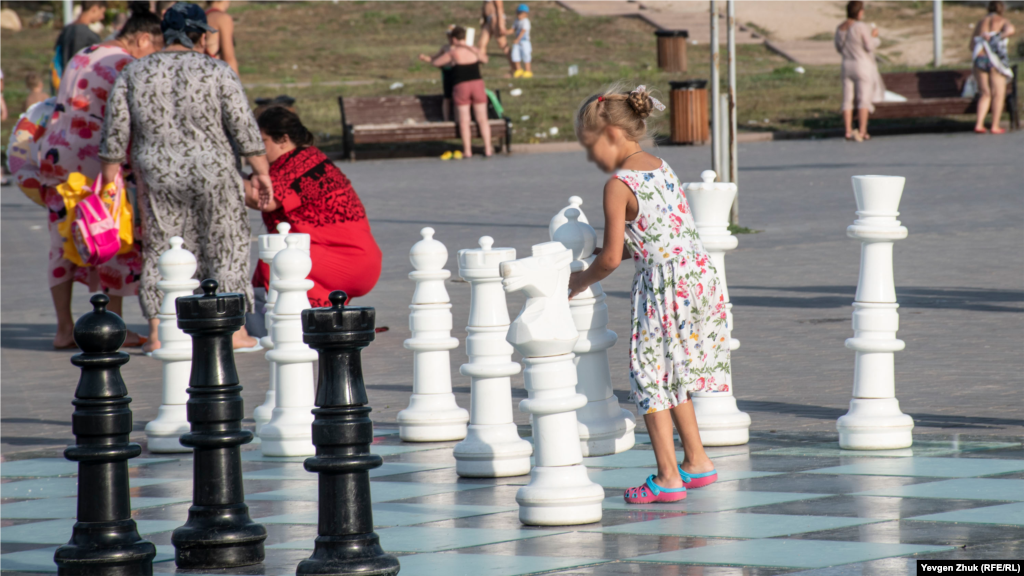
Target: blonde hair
(626, 110)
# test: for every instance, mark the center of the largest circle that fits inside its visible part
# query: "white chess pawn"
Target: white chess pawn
(269, 246)
(492, 447)
(605, 427)
(558, 219)
(559, 493)
(432, 415)
(874, 421)
(176, 266)
(289, 432)
(720, 420)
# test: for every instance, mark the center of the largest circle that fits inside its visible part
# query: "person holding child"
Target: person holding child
(522, 49)
(467, 89)
(991, 65)
(679, 340)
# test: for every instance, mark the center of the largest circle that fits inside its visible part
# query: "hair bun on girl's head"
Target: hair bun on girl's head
(641, 103)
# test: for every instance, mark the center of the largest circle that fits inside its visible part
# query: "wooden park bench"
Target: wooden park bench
(368, 120)
(937, 93)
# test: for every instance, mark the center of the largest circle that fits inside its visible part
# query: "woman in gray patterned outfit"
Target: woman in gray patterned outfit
(181, 110)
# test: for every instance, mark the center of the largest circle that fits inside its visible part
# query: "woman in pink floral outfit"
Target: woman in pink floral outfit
(69, 144)
(680, 341)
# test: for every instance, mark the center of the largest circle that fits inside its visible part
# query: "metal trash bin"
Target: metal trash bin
(688, 100)
(672, 50)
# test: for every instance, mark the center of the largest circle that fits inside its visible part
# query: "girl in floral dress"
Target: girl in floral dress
(679, 340)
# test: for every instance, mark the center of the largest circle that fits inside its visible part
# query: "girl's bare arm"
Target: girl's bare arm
(616, 201)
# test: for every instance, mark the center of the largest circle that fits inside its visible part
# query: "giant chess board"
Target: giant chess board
(779, 506)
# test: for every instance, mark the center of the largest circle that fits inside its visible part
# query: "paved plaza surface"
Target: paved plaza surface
(960, 285)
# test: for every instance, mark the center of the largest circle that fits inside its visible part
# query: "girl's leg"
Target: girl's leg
(480, 113)
(984, 97)
(695, 460)
(465, 130)
(61, 294)
(659, 427)
(848, 121)
(998, 98)
(862, 120)
(446, 110)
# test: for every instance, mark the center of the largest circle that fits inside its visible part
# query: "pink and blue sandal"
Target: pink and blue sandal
(649, 492)
(698, 480)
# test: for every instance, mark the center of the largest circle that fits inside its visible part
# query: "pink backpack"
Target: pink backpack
(95, 231)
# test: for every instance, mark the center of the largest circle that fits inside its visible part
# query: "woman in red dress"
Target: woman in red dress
(312, 195)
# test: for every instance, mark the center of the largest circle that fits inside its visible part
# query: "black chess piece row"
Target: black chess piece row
(219, 532)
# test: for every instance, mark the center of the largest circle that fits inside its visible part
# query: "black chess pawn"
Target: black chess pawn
(342, 434)
(219, 532)
(105, 539)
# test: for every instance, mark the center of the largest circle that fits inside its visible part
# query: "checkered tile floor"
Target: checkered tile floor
(780, 506)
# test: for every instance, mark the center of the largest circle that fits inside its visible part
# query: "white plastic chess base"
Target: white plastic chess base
(293, 438)
(875, 424)
(605, 428)
(560, 496)
(162, 433)
(432, 418)
(265, 411)
(492, 451)
(720, 421)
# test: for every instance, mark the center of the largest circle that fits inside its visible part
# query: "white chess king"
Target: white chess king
(560, 492)
(605, 427)
(492, 447)
(432, 415)
(177, 266)
(289, 432)
(875, 421)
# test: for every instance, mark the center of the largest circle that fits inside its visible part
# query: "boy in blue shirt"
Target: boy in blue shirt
(522, 50)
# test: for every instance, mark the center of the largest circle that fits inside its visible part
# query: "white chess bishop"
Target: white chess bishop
(432, 415)
(289, 431)
(605, 427)
(559, 492)
(177, 267)
(492, 447)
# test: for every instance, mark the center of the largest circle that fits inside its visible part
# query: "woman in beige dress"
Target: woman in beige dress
(862, 84)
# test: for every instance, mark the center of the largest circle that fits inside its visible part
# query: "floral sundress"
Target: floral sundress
(680, 341)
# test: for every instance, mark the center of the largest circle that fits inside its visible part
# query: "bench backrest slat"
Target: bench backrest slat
(392, 109)
(927, 84)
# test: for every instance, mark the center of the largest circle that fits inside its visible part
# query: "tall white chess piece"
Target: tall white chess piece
(560, 492)
(492, 447)
(289, 432)
(177, 267)
(559, 218)
(269, 246)
(432, 415)
(720, 421)
(875, 421)
(605, 427)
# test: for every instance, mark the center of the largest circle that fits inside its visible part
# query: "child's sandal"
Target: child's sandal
(649, 492)
(698, 480)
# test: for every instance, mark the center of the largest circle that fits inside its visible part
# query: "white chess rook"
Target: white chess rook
(605, 427)
(289, 432)
(875, 421)
(720, 421)
(559, 492)
(492, 448)
(269, 246)
(432, 415)
(176, 266)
